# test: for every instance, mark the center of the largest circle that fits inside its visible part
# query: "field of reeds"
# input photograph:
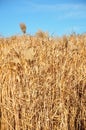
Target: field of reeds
(43, 82)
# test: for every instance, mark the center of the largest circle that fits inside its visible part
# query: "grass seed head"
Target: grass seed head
(23, 27)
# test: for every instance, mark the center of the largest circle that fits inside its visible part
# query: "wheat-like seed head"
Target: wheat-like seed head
(42, 34)
(23, 27)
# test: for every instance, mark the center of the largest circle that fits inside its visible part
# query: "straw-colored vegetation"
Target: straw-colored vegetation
(23, 27)
(43, 83)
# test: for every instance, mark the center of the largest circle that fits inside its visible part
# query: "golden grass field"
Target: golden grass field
(43, 82)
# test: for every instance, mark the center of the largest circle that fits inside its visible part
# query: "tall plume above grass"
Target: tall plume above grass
(23, 27)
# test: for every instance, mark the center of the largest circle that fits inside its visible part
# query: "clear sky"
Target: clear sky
(58, 17)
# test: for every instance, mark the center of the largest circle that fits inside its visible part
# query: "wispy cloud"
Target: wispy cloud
(57, 7)
(54, 7)
(64, 10)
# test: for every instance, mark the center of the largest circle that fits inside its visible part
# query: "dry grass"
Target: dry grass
(43, 83)
(23, 27)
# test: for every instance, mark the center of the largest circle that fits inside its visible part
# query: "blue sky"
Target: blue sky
(58, 17)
